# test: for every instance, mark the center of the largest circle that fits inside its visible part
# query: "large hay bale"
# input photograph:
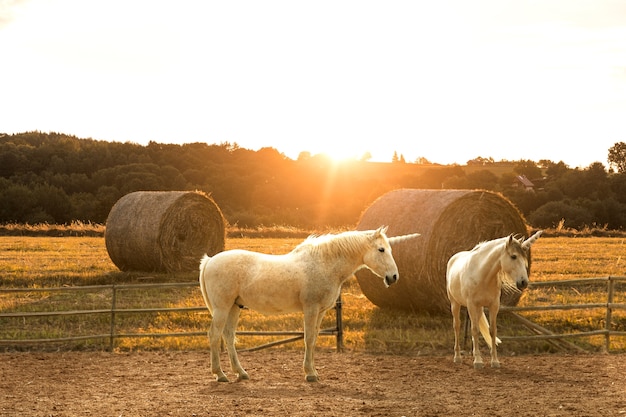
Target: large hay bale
(164, 231)
(449, 221)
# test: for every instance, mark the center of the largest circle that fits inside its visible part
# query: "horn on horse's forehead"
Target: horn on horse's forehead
(396, 239)
(531, 240)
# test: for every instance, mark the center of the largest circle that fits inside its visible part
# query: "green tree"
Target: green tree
(617, 156)
(366, 156)
(54, 202)
(479, 160)
(556, 170)
(528, 168)
(552, 213)
(11, 160)
(482, 179)
(437, 177)
(16, 203)
(618, 186)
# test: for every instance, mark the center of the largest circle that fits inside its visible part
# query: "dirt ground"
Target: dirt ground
(352, 384)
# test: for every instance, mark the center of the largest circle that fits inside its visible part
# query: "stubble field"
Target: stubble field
(393, 364)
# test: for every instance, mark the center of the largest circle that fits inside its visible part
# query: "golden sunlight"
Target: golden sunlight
(341, 151)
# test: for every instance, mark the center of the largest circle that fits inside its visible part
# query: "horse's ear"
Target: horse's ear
(381, 230)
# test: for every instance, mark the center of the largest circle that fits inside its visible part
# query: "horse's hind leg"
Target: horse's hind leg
(456, 324)
(229, 338)
(215, 336)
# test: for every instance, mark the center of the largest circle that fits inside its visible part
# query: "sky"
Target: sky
(445, 80)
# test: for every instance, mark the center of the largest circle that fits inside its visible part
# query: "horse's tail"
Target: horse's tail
(205, 259)
(484, 330)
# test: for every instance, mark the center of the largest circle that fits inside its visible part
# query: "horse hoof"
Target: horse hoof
(458, 359)
(312, 378)
(495, 364)
(243, 377)
(222, 378)
(478, 365)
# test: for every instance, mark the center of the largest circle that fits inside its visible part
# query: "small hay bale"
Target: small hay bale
(163, 231)
(449, 221)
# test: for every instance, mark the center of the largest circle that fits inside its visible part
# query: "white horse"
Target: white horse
(307, 279)
(474, 279)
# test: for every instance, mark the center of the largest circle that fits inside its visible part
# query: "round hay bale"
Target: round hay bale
(449, 221)
(163, 231)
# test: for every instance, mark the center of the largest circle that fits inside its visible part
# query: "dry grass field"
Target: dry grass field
(41, 262)
(394, 364)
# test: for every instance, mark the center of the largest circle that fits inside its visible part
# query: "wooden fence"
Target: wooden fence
(114, 311)
(610, 306)
(112, 335)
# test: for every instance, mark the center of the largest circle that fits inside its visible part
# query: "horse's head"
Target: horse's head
(378, 257)
(516, 258)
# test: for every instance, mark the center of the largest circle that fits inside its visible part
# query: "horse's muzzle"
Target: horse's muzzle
(522, 284)
(390, 279)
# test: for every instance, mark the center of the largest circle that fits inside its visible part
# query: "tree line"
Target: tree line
(58, 178)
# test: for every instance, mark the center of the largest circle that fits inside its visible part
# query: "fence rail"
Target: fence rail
(609, 305)
(337, 331)
(114, 310)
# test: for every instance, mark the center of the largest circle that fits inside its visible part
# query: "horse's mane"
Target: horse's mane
(482, 244)
(517, 242)
(508, 285)
(331, 244)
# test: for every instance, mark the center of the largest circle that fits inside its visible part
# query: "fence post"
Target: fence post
(609, 313)
(113, 308)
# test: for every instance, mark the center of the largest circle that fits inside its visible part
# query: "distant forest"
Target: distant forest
(58, 178)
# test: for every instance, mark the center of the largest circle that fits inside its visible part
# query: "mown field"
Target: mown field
(44, 262)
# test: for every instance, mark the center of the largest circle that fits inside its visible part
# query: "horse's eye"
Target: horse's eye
(381, 250)
(514, 257)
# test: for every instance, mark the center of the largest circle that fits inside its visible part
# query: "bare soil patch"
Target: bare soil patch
(354, 384)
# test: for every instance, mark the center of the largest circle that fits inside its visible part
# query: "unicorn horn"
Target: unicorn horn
(396, 239)
(531, 239)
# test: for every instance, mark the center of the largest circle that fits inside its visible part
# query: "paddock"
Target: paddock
(395, 381)
(354, 384)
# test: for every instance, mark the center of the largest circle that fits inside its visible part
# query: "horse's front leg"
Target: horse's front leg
(493, 330)
(475, 313)
(312, 320)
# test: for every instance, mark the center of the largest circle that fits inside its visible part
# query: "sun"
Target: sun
(335, 152)
(343, 153)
